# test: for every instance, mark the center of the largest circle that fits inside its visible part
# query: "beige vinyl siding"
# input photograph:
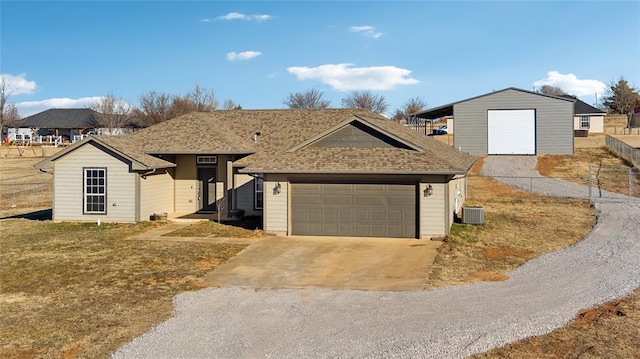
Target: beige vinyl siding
(554, 127)
(276, 206)
(186, 184)
(156, 194)
(596, 123)
(69, 186)
(432, 209)
(244, 190)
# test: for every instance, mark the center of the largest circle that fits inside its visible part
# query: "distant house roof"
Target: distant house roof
(447, 110)
(583, 108)
(66, 118)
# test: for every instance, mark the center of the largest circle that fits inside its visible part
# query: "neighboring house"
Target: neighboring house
(329, 172)
(509, 121)
(69, 123)
(586, 117)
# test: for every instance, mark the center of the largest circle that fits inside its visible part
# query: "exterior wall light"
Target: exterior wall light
(428, 191)
(277, 188)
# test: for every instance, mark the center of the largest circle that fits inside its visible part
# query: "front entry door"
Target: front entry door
(207, 189)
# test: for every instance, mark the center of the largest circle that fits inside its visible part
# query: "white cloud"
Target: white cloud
(18, 85)
(239, 16)
(366, 30)
(570, 83)
(242, 56)
(343, 77)
(29, 108)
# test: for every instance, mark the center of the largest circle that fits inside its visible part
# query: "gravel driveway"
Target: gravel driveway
(452, 322)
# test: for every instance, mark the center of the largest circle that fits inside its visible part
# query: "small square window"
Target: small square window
(584, 121)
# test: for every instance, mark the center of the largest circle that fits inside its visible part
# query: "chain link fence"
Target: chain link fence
(602, 183)
(32, 191)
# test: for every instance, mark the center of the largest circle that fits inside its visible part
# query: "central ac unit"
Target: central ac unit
(473, 215)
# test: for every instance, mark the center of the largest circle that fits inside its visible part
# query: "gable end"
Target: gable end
(357, 135)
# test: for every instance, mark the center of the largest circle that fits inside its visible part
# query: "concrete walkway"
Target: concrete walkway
(540, 296)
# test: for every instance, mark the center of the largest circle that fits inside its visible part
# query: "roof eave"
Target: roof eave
(363, 171)
(244, 152)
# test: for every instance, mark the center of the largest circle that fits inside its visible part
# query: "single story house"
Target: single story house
(70, 124)
(327, 172)
(586, 117)
(510, 122)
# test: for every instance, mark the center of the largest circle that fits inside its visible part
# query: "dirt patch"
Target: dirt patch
(607, 310)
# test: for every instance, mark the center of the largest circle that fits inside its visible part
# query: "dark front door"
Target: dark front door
(207, 189)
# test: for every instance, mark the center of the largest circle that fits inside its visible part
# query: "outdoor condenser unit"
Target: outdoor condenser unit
(473, 215)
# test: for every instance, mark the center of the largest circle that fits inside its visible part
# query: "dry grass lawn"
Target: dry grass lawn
(81, 290)
(610, 330)
(518, 227)
(215, 230)
(609, 172)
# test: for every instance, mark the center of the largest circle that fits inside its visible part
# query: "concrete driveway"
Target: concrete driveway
(337, 263)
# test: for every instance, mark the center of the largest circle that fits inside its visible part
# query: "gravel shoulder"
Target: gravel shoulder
(541, 295)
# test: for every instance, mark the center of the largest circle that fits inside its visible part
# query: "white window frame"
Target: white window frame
(258, 192)
(93, 189)
(206, 160)
(583, 120)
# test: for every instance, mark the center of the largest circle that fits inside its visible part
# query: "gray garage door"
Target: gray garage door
(353, 210)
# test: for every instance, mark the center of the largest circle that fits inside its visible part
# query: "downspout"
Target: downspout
(137, 199)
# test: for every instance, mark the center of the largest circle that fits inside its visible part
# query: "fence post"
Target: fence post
(630, 183)
(590, 182)
(531, 186)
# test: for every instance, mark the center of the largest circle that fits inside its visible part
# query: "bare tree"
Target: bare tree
(204, 100)
(154, 108)
(8, 111)
(309, 99)
(622, 99)
(230, 105)
(113, 112)
(367, 100)
(415, 104)
(552, 90)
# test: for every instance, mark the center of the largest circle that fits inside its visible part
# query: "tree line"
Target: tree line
(155, 107)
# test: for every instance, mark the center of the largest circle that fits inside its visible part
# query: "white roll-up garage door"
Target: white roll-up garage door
(512, 132)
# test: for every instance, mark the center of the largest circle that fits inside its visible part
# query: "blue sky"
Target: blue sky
(68, 54)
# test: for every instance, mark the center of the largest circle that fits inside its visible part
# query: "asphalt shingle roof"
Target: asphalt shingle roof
(582, 108)
(62, 118)
(119, 144)
(285, 142)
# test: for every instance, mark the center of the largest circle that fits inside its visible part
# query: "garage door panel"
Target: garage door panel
(338, 209)
(337, 200)
(511, 132)
(369, 200)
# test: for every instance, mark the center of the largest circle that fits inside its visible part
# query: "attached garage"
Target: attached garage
(511, 132)
(353, 209)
